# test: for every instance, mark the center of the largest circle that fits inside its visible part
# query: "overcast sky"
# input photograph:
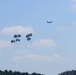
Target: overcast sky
(52, 48)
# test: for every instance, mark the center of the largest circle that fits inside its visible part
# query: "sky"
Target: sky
(52, 48)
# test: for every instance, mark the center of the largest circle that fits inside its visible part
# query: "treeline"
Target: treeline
(10, 72)
(73, 72)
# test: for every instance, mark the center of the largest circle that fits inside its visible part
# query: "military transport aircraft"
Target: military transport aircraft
(50, 21)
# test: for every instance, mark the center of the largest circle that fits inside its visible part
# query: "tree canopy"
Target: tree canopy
(10, 72)
(72, 72)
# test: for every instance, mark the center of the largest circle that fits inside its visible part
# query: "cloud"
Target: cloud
(42, 58)
(44, 43)
(36, 58)
(16, 29)
(5, 43)
(56, 56)
(17, 59)
(72, 5)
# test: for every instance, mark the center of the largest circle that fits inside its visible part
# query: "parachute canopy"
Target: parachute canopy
(12, 41)
(15, 36)
(18, 36)
(28, 39)
(17, 40)
(28, 36)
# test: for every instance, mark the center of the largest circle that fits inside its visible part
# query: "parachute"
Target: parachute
(28, 39)
(19, 35)
(15, 36)
(28, 36)
(17, 39)
(12, 41)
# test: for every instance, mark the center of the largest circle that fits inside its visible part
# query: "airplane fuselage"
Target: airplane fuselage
(49, 21)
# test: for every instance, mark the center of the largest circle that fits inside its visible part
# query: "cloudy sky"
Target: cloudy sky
(52, 48)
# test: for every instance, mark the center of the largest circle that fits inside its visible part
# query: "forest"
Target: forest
(72, 72)
(10, 72)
